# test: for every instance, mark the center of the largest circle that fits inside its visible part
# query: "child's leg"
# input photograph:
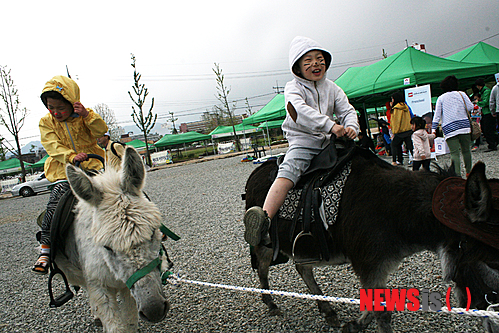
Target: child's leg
(276, 196)
(41, 265)
(426, 164)
(416, 165)
(257, 220)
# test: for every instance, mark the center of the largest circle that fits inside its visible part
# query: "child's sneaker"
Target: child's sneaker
(256, 223)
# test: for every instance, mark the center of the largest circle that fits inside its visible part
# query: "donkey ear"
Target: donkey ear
(478, 195)
(132, 179)
(82, 186)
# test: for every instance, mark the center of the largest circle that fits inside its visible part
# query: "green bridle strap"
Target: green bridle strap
(168, 233)
(142, 272)
(153, 264)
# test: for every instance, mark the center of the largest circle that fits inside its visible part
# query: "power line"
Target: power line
(464, 47)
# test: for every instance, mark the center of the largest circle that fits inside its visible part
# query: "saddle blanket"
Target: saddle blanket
(330, 195)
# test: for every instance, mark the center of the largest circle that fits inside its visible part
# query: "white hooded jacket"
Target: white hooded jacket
(310, 105)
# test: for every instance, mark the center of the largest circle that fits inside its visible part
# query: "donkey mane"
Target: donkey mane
(123, 220)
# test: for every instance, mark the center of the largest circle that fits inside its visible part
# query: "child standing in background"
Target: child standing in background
(421, 143)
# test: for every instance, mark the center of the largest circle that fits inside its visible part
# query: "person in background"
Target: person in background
(494, 100)
(421, 141)
(452, 112)
(114, 151)
(488, 122)
(68, 132)
(476, 115)
(400, 123)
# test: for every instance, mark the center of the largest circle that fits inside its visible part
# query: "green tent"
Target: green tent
(481, 53)
(373, 84)
(272, 124)
(273, 110)
(139, 145)
(226, 131)
(40, 163)
(12, 165)
(175, 139)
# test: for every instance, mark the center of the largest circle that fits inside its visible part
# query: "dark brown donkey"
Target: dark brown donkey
(376, 234)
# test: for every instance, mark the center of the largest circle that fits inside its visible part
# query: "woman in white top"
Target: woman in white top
(452, 112)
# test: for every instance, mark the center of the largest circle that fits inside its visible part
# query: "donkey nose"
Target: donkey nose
(155, 313)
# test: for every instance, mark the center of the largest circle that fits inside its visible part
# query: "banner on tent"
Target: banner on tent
(419, 99)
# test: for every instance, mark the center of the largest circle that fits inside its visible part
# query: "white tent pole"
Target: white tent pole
(268, 135)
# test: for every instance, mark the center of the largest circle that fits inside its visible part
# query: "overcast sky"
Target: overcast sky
(176, 44)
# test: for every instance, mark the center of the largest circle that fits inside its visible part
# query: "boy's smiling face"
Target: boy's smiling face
(59, 109)
(312, 65)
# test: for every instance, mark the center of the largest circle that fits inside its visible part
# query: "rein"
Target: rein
(156, 262)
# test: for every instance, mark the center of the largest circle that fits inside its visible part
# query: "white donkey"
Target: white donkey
(115, 234)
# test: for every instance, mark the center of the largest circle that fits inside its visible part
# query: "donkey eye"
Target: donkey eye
(108, 248)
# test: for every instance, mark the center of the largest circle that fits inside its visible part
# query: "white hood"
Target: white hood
(301, 45)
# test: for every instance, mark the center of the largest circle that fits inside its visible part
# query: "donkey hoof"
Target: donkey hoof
(275, 312)
(333, 321)
(350, 327)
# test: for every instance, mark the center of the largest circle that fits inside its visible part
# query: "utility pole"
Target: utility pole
(277, 88)
(174, 131)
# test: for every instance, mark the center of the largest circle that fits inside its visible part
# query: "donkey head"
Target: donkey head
(469, 262)
(125, 228)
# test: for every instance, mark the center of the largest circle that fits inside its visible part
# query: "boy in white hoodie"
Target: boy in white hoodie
(311, 101)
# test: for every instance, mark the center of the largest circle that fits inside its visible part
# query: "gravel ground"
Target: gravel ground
(202, 203)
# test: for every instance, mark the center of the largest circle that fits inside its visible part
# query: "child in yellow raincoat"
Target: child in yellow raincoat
(68, 132)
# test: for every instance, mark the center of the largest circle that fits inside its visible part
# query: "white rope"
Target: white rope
(494, 316)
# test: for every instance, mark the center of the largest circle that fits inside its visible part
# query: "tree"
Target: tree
(109, 117)
(2, 151)
(13, 112)
(222, 95)
(144, 123)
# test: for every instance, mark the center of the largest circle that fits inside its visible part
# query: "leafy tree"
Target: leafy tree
(109, 117)
(13, 116)
(222, 95)
(144, 122)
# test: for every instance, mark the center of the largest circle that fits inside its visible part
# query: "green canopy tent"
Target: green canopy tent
(272, 124)
(40, 163)
(481, 53)
(139, 145)
(12, 165)
(274, 109)
(227, 131)
(176, 139)
(373, 84)
(182, 138)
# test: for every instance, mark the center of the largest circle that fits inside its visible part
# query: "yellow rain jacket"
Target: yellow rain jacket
(63, 140)
(401, 118)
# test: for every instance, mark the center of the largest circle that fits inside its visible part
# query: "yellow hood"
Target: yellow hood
(65, 86)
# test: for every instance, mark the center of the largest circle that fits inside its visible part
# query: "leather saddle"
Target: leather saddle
(311, 243)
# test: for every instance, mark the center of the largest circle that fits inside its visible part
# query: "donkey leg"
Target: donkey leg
(128, 309)
(307, 274)
(105, 307)
(264, 258)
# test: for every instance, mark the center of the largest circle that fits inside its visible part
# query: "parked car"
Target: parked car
(32, 187)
